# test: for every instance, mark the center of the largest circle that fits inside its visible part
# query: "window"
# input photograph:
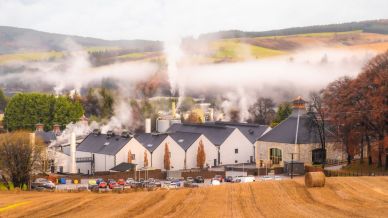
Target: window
(235, 161)
(275, 155)
(236, 151)
(133, 156)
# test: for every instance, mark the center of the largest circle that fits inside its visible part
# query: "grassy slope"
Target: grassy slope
(240, 49)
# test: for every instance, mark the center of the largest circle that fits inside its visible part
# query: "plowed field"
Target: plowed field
(341, 197)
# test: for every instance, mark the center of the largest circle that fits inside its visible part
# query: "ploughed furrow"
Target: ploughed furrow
(272, 202)
(192, 203)
(305, 202)
(168, 205)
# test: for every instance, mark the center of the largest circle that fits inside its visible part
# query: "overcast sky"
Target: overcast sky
(160, 19)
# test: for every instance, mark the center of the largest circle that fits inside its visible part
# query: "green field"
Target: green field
(234, 50)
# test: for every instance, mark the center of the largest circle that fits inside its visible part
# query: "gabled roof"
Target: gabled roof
(251, 131)
(150, 140)
(102, 144)
(185, 139)
(215, 133)
(285, 132)
(123, 167)
(47, 137)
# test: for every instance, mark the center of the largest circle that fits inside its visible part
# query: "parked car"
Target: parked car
(121, 182)
(99, 180)
(199, 179)
(229, 179)
(264, 178)
(176, 183)
(219, 178)
(112, 183)
(189, 179)
(215, 182)
(42, 183)
(129, 181)
(102, 184)
(157, 183)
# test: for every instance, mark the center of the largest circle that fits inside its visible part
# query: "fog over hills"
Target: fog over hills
(13, 40)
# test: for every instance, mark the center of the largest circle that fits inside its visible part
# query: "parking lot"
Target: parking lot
(171, 183)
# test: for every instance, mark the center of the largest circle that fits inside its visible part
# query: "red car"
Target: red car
(112, 184)
(103, 184)
(219, 178)
(121, 182)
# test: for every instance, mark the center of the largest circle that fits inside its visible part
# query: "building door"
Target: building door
(215, 163)
(61, 169)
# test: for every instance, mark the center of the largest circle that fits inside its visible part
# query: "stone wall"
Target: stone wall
(303, 151)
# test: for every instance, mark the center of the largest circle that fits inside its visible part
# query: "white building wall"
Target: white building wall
(236, 140)
(137, 149)
(103, 162)
(61, 160)
(211, 153)
(177, 155)
(84, 167)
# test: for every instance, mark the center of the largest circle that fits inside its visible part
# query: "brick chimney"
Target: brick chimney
(56, 129)
(39, 127)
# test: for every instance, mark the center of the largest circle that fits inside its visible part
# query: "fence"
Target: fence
(341, 173)
(204, 173)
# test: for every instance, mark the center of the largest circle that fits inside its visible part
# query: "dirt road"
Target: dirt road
(342, 197)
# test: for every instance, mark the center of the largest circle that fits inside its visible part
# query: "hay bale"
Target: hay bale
(314, 179)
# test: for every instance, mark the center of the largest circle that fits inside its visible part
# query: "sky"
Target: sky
(164, 19)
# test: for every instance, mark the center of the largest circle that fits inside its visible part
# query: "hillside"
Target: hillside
(372, 26)
(22, 45)
(16, 40)
(341, 197)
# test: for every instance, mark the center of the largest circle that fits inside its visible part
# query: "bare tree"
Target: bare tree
(317, 118)
(262, 111)
(21, 156)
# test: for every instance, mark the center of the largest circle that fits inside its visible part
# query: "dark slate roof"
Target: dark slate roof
(251, 131)
(150, 140)
(286, 130)
(102, 144)
(47, 137)
(215, 133)
(185, 139)
(123, 167)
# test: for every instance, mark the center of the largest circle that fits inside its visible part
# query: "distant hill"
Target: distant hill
(373, 26)
(15, 40)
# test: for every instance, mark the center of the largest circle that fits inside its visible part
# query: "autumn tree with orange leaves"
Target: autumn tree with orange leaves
(360, 107)
(166, 157)
(201, 155)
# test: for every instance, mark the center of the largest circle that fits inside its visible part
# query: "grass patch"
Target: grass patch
(234, 50)
(356, 166)
(30, 56)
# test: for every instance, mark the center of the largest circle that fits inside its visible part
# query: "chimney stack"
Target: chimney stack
(57, 129)
(173, 109)
(147, 127)
(73, 164)
(39, 127)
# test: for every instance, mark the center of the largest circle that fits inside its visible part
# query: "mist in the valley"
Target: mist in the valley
(238, 84)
